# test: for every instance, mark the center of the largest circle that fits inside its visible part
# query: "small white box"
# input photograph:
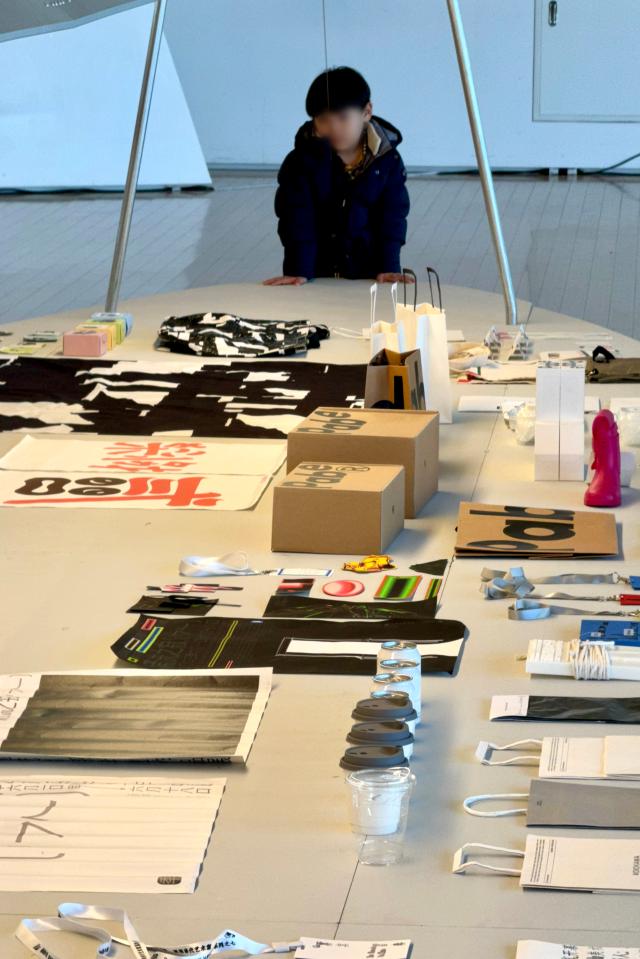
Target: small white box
(572, 382)
(547, 445)
(547, 429)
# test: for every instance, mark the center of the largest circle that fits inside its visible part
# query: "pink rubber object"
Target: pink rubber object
(604, 488)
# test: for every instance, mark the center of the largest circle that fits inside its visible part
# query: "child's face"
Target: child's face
(342, 128)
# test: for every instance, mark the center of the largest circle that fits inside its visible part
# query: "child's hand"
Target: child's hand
(285, 281)
(394, 278)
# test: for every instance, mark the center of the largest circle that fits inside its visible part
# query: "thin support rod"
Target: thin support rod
(135, 156)
(479, 145)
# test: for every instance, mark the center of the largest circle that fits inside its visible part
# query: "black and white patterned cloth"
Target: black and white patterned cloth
(222, 334)
(264, 398)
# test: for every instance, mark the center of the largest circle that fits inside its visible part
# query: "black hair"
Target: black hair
(337, 89)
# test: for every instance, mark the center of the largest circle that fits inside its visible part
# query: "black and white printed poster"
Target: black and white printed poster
(258, 399)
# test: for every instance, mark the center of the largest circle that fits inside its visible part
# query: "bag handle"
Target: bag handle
(431, 272)
(461, 863)
(471, 802)
(373, 290)
(485, 749)
(407, 272)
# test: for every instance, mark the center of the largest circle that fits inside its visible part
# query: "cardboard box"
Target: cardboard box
(524, 531)
(347, 508)
(403, 437)
(395, 378)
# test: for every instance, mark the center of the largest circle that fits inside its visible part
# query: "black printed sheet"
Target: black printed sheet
(217, 642)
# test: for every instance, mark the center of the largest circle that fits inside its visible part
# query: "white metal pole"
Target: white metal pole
(479, 145)
(135, 157)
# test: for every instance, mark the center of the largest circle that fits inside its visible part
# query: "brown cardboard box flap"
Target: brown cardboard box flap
(396, 379)
(532, 531)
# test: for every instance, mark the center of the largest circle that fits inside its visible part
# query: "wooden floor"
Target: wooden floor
(573, 243)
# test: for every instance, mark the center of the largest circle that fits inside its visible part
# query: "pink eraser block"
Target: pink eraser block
(84, 343)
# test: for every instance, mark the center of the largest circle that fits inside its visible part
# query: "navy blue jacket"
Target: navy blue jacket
(331, 224)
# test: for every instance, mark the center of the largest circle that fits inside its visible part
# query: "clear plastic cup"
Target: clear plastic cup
(379, 805)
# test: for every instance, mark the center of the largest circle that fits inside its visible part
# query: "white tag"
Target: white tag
(535, 949)
(572, 758)
(352, 949)
(508, 707)
(587, 865)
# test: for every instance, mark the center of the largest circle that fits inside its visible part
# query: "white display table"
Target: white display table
(281, 862)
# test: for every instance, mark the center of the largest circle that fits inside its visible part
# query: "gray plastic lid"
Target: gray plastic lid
(384, 708)
(399, 644)
(392, 733)
(373, 757)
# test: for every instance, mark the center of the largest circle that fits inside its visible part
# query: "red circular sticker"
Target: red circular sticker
(343, 587)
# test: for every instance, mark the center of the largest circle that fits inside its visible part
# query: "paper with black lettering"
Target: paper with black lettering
(535, 949)
(583, 865)
(352, 949)
(485, 529)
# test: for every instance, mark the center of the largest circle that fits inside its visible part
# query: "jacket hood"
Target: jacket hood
(389, 137)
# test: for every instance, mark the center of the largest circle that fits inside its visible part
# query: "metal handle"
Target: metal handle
(553, 13)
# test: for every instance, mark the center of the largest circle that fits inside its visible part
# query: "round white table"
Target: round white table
(281, 861)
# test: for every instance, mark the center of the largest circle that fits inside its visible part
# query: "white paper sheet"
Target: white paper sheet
(352, 949)
(201, 715)
(151, 457)
(126, 833)
(355, 648)
(535, 949)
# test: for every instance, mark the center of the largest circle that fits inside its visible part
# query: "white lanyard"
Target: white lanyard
(502, 584)
(530, 609)
(226, 945)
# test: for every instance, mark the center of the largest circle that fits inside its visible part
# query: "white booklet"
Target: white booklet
(534, 949)
(124, 833)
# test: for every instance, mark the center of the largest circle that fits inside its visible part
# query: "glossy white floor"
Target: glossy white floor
(281, 863)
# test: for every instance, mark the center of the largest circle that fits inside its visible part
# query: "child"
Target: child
(341, 201)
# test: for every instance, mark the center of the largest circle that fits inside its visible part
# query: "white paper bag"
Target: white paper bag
(421, 327)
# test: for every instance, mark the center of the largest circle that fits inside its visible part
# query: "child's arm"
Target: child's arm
(394, 209)
(296, 220)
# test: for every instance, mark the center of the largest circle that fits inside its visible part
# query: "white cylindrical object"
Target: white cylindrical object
(396, 681)
(405, 667)
(379, 804)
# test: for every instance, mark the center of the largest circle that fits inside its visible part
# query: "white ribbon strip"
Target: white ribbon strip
(226, 945)
(235, 563)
